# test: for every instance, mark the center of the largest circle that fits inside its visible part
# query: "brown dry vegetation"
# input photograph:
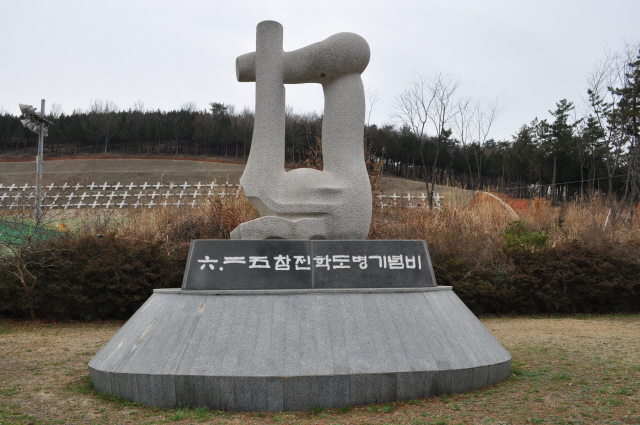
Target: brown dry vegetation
(469, 226)
(587, 268)
(565, 370)
(473, 228)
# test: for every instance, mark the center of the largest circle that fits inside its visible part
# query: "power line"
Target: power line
(565, 183)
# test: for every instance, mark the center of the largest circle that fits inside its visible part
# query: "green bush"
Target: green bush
(518, 238)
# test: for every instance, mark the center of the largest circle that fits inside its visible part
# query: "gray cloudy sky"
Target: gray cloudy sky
(530, 54)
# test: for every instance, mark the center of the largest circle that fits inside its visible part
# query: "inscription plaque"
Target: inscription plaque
(305, 264)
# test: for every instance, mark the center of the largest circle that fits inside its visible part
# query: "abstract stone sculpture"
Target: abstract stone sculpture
(306, 203)
(292, 324)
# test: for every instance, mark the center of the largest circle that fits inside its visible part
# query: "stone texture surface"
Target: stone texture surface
(334, 203)
(228, 265)
(273, 351)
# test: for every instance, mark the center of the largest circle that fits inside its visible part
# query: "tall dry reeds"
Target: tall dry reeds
(175, 227)
(467, 228)
(590, 221)
(472, 230)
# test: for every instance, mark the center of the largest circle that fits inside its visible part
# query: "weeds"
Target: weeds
(183, 411)
(84, 387)
(12, 414)
(517, 238)
(316, 410)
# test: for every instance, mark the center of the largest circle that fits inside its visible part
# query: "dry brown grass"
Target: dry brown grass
(174, 226)
(472, 229)
(566, 370)
(468, 227)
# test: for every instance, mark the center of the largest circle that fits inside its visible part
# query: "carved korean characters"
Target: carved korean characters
(334, 203)
(306, 264)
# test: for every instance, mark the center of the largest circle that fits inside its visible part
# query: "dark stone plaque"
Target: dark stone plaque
(298, 264)
(372, 264)
(248, 264)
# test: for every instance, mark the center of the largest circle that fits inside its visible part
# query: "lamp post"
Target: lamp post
(35, 122)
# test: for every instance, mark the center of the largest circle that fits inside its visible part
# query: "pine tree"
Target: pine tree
(626, 117)
(559, 137)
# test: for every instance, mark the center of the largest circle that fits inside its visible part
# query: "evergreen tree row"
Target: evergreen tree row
(562, 156)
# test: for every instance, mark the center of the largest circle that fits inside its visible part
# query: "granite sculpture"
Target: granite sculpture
(291, 324)
(305, 203)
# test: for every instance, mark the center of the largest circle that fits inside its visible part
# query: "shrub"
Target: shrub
(95, 278)
(569, 278)
(494, 264)
(575, 278)
(518, 238)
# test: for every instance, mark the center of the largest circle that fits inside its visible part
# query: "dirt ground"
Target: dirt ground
(120, 170)
(567, 370)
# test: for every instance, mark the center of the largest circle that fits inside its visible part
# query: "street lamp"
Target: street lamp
(35, 121)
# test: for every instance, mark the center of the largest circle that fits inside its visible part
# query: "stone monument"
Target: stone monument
(334, 203)
(299, 311)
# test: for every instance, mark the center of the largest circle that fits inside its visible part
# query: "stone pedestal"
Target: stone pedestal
(292, 349)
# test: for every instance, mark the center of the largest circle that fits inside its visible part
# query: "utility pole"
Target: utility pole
(35, 122)
(39, 166)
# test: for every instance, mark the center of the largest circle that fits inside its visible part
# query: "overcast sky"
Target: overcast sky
(166, 53)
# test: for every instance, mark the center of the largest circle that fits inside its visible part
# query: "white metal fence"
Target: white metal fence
(147, 195)
(408, 200)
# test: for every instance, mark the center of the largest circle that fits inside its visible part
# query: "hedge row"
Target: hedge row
(86, 278)
(93, 278)
(567, 279)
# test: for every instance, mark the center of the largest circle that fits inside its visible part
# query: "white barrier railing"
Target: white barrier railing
(408, 204)
(133, 195)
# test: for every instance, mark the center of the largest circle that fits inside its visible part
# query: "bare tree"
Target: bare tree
(55, 111)
(462, 125)
(484, 116)
(609, 72)
(372, 99)
(429, 101)
(414, 105)
(103, 120)
(138, 106)
(293, 129)
(23, 249)
(189, 106)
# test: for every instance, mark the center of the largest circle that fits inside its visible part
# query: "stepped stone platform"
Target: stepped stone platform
(267, 349)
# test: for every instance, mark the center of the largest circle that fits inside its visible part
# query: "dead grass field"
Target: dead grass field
(566, 370)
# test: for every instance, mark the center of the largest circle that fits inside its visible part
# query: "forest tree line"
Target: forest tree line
(440, 137)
